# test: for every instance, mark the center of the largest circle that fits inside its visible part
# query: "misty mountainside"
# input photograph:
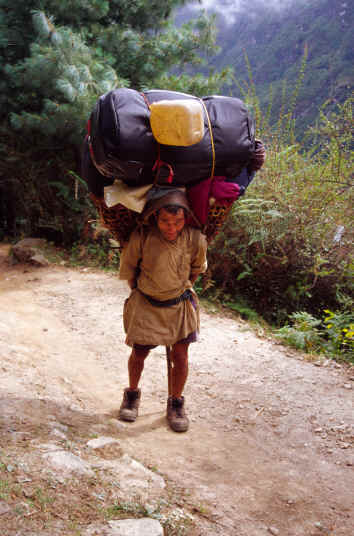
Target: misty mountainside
(274, 36)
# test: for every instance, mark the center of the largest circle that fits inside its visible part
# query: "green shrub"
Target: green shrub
(41, 196)
(303, 334)
(339, 331)
(288, 245)
(97, 252)
(332, 335)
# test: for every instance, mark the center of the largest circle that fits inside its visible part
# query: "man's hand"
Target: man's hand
(193, 278)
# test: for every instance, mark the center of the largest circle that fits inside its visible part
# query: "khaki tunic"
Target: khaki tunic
(165, 271)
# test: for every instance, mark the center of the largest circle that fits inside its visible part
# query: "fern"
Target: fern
(304, 334)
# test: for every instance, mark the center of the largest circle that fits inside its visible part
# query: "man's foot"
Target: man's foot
(130, 405)
(176, 415)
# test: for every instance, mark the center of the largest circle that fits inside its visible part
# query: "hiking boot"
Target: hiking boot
(176, 415)
(129, 408)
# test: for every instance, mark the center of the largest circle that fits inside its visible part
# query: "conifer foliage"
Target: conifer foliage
(56, 58)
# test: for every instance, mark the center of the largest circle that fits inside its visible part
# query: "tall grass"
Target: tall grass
(288, 244)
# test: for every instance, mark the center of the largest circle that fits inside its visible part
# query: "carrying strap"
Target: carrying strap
(159, 163)
(211, 139)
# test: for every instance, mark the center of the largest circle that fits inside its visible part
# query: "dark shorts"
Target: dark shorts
(192, 337)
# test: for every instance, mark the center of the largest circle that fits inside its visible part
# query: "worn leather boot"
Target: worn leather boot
(129, 408)
(176, 415)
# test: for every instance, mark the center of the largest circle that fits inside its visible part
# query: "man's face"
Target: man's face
(170, 225)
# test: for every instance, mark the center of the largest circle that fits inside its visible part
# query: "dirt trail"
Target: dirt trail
(272, 435)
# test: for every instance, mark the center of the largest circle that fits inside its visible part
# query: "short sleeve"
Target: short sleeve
(199, 259)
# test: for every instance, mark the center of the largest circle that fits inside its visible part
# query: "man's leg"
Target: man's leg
(131, 398)
(136, 366)
(176, 415)
(179, 373)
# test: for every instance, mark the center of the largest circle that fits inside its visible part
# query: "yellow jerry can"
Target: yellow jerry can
(177, 122)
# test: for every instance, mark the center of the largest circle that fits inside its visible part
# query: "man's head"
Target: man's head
(167, 208)
(170, 221)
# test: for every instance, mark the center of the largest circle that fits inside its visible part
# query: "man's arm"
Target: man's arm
(132, 283)
(199, 260)
(130, 259)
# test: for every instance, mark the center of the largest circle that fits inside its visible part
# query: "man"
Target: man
(161, 263)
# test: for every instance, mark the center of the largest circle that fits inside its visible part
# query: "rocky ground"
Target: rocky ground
(269, 450)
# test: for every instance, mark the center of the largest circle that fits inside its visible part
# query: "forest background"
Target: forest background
(286, 251)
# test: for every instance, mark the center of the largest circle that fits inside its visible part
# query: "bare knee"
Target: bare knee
(139, 354)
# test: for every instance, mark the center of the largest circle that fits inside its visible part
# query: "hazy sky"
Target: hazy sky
(234, 4)
(230, 7)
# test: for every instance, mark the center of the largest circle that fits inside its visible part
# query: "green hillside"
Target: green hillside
(274, 41)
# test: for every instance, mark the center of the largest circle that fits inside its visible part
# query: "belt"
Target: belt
(187, 295)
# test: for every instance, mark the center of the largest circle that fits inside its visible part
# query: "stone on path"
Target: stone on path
(67, 463)
(39, 260)
(133, 476)
(30, 250)
(127, 527)
(4, 508)
(274, 531)
(100, 442)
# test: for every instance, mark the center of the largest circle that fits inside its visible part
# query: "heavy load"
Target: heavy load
(122, 144)
(212, 136)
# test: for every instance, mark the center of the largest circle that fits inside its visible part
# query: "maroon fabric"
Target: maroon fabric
(218, 188)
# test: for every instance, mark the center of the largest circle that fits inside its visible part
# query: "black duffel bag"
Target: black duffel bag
(121, 145)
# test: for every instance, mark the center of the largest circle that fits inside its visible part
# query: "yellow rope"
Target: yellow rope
(211, 138)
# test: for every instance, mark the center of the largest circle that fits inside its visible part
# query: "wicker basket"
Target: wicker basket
(119, 220)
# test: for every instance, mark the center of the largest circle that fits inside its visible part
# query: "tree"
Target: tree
(58, 70)
(58, 57)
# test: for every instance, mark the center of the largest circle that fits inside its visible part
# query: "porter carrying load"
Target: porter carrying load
(158, 164)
